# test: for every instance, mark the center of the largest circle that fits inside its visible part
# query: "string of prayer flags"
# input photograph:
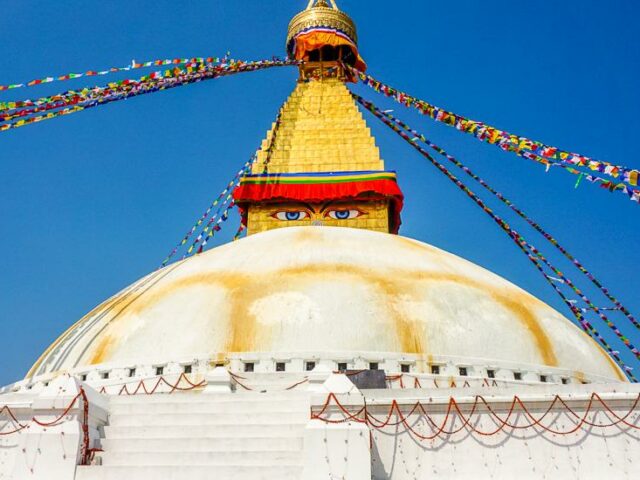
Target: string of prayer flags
(89, 98)
(213, 226)
(132, 66)
(222, 197)
(519, 145)
(238, 234)
(513, 207)
(520, 213)
(225, 205)
(527, 248)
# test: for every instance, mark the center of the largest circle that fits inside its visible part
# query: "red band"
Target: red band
(247, 194)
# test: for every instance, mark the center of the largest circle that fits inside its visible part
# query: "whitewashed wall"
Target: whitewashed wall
(529, 453)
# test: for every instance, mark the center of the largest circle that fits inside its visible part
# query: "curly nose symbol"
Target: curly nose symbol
(317, 223)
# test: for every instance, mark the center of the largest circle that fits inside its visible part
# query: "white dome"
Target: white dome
(325, 289)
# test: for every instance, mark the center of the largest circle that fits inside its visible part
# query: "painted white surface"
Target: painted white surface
(203, 436)
(218, 381)
(339, 451)
(47, 452)
(253, 435)
(530, 453)
(298, 290)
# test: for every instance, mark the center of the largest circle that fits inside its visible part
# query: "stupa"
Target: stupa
(282, 354)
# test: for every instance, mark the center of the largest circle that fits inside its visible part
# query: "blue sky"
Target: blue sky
(92, 201)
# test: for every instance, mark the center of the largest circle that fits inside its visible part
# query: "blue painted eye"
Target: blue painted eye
(344, 214)
(291, 215)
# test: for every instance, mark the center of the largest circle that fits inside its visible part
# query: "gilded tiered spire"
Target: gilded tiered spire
(319, 164)
(320, 129)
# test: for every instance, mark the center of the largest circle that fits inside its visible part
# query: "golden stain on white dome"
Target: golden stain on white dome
(328, 289)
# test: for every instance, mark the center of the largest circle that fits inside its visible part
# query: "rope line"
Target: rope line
(141, 386)
(519, 145)
(563, 278)
(363, 415)
(90, 73)
(225, 196)
(85, 451)
(513, 234)
(150, 84)
(525, 217)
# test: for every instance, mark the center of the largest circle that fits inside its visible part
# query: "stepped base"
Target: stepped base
(190, 472)
(194, 436)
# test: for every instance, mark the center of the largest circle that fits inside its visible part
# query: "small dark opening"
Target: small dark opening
(373, 366)
(491, 373)
(342, 367)
(105, 375)
(83, 377)
(309, 366)
(132, 372)
(188, 369)
(565, 381)
(543, 378)
(332, 54)
(159, 370)
(517, 375)
(463, 371)
(405, 368)
(435, 369)
(280, 366)
(248, 367)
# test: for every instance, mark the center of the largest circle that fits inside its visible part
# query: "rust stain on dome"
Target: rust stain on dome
(95, 311)
(101, 351)
(613, 365)
(243, 334)
(516, 304)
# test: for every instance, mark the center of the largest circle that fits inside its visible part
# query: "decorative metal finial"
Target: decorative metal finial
(320, 14)
(322, 3)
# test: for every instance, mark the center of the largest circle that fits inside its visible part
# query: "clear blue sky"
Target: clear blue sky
(93, 201)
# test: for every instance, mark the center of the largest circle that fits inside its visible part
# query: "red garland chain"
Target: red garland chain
(237, 379)
(86, 452)
(416, 382)
(142, 387)
(14, 420)
(124, 390)
(362, 415)
(526, 247)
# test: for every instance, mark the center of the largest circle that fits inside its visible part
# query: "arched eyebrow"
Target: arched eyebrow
(326, 205)
(294, 205)
(338, 202)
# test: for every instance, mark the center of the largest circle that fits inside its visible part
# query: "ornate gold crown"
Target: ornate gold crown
(321, 14)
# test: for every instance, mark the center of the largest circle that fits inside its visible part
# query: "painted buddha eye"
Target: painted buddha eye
(345, 214)
(291, 215)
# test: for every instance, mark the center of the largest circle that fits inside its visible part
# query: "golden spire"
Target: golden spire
(319, 164)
